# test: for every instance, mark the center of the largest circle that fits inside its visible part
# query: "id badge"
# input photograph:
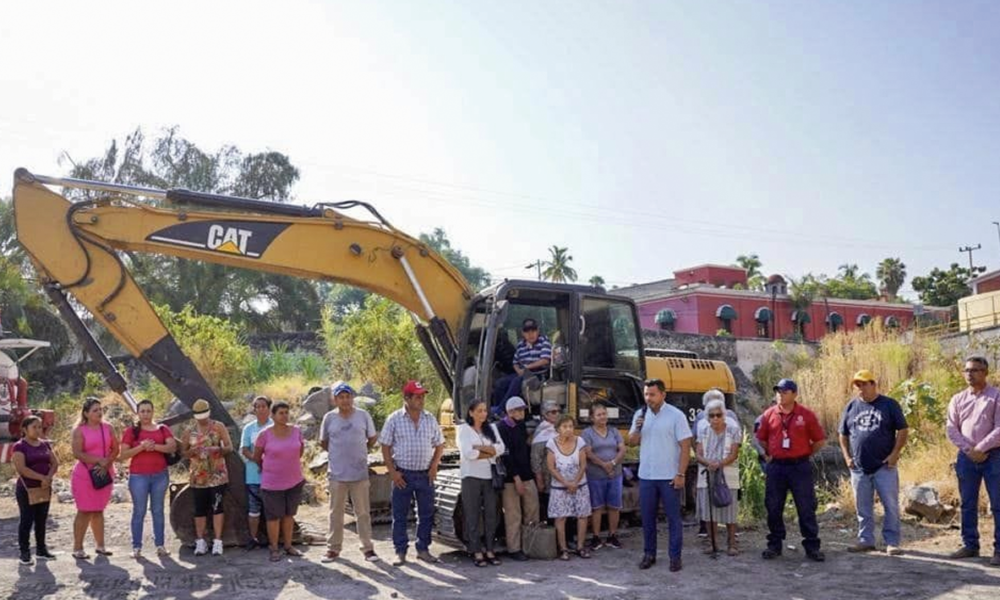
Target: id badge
(786, 443)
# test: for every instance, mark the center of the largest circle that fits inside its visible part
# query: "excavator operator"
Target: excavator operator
(531, 359)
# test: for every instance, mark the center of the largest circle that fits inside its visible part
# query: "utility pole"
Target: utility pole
(997, 223)
(970, 250)
(538, 266)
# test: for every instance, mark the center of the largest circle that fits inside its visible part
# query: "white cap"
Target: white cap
(515, 402)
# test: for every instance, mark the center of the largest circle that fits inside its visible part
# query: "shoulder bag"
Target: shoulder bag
(100, 478)
(173, 457)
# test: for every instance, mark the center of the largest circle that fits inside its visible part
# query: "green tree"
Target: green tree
(945, 288)
(891, 274)
(557, 268)
(477, 277)
(260, 301)
(751, 264)
(596, 281)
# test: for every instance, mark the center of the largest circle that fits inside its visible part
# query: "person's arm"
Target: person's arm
(635, 432)
(128, 450)
(550, 463)
(435, 462)
(466, 449)
(620, 455)
(539, 458)
(169, 445)
(953, 428)
(246, 445)
(372, 434)
(845, 449)
(258, 450)
(992, 439)
(901, 436)
(699, 454)
(227, 442)
(21, 466)
(816, 434)
(682, 466)
(498, 446)
(734, 454)
(78, 453)
(324, 435)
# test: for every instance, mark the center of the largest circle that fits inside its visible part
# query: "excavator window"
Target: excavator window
(609, 338)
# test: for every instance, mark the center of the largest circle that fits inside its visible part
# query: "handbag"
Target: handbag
(721, 495)
(173, 457)
(539, 541)
(39, 495)
(100, 479)
(499, 474)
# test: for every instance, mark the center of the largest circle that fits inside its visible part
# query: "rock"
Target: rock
(309, 426)
(309, 495)
(922, 501)
(64, 497)
(7, 489)
(120, 494)
(368, 390)
(318, 403)
(365, 402)
(320, 462)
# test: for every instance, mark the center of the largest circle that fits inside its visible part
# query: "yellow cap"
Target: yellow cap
(863, 375)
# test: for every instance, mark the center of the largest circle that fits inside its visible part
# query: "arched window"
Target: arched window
(762, 316)
(666, 319)
(834, 321)
(726, 314)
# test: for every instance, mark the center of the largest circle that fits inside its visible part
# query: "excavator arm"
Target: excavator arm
(77, 249)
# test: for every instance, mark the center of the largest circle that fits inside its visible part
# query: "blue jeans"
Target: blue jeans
(417, 485)
(885, 482)
(798, 479)
(151, 490)
(651, 493)
(970, 476)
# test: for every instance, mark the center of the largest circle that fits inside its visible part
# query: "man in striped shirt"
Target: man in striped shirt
(531, 359)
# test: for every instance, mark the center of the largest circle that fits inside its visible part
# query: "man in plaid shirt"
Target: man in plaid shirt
(412, 444)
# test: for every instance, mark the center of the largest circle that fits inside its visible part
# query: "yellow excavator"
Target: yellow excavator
(77, 250)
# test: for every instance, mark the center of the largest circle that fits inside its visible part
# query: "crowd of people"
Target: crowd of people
(508, 472)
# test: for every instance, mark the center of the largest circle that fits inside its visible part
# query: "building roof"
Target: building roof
(647, 291)
(710, 266)
(675, 292)
(985, 277)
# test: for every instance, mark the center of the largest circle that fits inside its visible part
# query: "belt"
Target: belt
(413, 470)
(790, 461)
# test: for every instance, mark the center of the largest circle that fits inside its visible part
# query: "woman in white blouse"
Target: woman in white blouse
(479, 446)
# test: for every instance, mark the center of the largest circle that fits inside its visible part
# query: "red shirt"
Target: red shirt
(800, 426)
(147, 462)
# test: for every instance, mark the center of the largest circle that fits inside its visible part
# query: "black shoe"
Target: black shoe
(251, 545)
(45, 554)
(519, 556)
(816, 556)
(596, 543)
(675, 565)
(613, 542)
(648, 560)
(26, 559)
(770, 554)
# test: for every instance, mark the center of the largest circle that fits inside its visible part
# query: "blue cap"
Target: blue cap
(786, 385)
(341, 386)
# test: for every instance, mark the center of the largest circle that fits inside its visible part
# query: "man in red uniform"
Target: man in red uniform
(790, 435)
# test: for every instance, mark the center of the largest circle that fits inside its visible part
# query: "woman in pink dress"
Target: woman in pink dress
(95, 447)
(278, 451)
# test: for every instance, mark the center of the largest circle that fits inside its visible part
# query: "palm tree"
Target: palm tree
(848, 271)
(596, 281)
(751, 264)
(891, 273)
(557, 269)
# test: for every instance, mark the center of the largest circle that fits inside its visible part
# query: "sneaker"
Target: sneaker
(596, 543)
(816, 556)
(330, 556)
(137, 553)
(217, 548)
(893, 550)
(370, 556)
(44, 554)
(400, 559)
(200, 547)
(162, 551)
(965, 552)
(861, 547)
(26, 559)
(613, 542)
(770, 554)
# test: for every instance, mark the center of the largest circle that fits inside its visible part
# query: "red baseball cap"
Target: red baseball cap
(413, 387)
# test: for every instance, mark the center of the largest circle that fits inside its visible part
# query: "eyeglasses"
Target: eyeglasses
(715, 415)
(554, 410)
(980, 370)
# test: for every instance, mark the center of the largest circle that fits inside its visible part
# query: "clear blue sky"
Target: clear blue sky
(645, 136)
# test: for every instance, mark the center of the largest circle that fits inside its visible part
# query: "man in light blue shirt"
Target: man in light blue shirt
(664, 438)
(262, 412)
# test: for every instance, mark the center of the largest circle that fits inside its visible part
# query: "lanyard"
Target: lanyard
(785, 423)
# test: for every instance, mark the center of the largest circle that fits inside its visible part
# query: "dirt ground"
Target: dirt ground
(921, 574)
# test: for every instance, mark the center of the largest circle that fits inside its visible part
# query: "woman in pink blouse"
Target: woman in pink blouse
(278, 451)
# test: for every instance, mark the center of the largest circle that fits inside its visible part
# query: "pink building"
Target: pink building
(703, 300)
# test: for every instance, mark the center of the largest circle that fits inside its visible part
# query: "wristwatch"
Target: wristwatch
(614, 464)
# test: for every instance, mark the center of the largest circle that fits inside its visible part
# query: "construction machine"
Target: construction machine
(79, 249)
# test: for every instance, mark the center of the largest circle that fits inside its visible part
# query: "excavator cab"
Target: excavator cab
(596, 348)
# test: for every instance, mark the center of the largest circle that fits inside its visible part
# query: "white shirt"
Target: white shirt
(469, 464)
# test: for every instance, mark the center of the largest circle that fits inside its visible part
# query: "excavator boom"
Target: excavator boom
(77, 249)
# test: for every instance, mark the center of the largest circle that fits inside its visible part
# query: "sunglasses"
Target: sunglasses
(715, 415)
(974, 370)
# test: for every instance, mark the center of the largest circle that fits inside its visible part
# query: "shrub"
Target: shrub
(752, 509)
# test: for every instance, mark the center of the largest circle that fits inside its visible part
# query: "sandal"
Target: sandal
(493, 560)
(330, 556)
(103, 552)
(292, 551)
(564, 555)
(275, 555)
(733, 551)
(583, 553)
(80, 555)
(479, 561)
